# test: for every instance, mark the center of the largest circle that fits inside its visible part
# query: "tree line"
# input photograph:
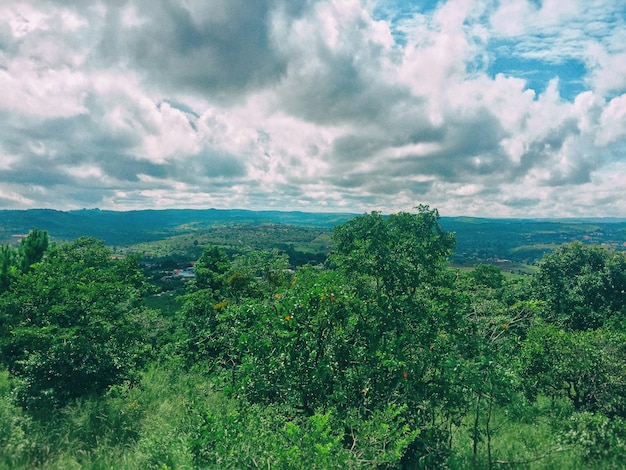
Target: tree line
(384, 357)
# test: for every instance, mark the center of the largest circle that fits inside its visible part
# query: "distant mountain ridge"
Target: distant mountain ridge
(130, 227)
(477, 238)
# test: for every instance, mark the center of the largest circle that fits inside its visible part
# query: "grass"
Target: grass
(166, 302)
(521, 445)
(130, 428)
(171, 420)
(175, 419)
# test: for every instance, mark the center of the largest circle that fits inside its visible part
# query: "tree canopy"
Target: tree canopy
(583, 286)
(72, 324)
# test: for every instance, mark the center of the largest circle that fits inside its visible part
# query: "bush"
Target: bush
(14, 432)
(224, 435)
(75, 325)
(602, 440)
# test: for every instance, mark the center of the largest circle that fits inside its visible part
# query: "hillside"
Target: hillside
(172, 231)
(132, 227)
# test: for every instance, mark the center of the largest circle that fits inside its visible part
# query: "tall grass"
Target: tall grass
(175, 419)
(131, 427)
(171, 420)
(529, 437)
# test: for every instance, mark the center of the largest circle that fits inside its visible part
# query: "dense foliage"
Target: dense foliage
(16, 261)
(72, 324)
(383, 358)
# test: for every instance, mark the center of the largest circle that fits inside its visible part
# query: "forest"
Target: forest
(382, 354)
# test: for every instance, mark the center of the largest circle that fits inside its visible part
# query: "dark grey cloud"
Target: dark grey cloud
(332, 87)
(395, 128)
(86, 161)
(379, 183)
(390, 186)
(218, 47)
(7, 43)
(7, 203)
(469, 147)
(474, 133)
(28, 175)
(576, 174)
(573, 165)
(355, 147)
(521, 203)
(125, 168)
(63, 141)
(350, 181)
(338, 91)
(209, 164)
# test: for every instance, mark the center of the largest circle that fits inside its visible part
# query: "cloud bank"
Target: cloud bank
(510, 108)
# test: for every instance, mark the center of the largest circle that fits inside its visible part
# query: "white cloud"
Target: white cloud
(14, 199)
(30, 89)
(42, 71)
(174, 135)
(318, 105)
(558, 31)
(512, 17)
(607, 70)
(613, 122)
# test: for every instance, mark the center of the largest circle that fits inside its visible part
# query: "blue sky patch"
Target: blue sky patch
(538, 74)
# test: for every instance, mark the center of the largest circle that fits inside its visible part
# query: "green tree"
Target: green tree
(588, 368)
(260, 273)
(410, 310)
(12, 262)
(197, 338)
(32, 248)
(203, 318)
(400, 253)
(489, 375)
(409, 320)
(377, 331)
(211, 269)
(582, 286)
(489, 276)
(7, 266)
(74, 324)
(301, 346)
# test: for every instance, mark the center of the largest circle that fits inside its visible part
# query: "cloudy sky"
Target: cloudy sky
(497, 108)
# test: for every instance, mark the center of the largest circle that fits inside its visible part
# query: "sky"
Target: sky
(487, 108)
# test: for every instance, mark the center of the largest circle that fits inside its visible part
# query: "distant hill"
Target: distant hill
(478, 239)
(132, 227)
(527, 240)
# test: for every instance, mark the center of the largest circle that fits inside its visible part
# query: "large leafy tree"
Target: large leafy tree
(221, 283)
(376, 331)
(72, 324)
(409, 315)
(399, 253)
(398, 265)
(586, 367)
(583, 286)
(500, 319)
(211, 269)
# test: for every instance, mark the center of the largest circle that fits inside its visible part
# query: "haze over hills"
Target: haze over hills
(500, 240)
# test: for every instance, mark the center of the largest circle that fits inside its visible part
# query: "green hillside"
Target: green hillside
(183, 232)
